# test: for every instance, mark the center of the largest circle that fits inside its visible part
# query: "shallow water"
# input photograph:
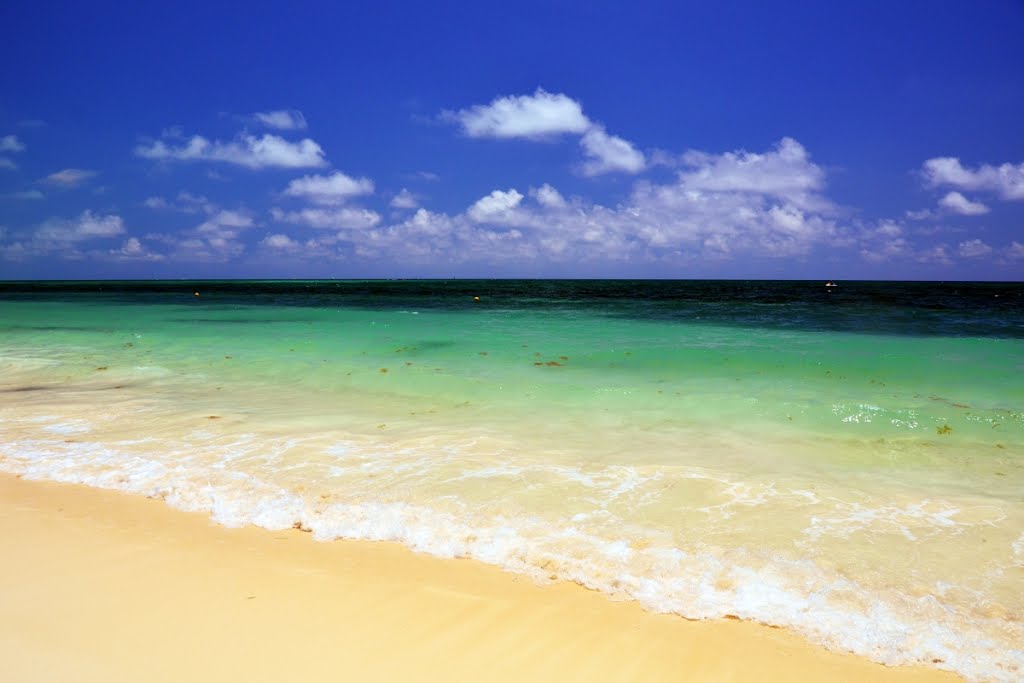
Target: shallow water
(847, 462)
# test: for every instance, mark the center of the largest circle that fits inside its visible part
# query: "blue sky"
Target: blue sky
(644, 139)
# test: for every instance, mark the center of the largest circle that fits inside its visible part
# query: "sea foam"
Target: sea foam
(706, 582)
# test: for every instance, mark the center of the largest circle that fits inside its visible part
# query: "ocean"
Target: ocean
(846, 462)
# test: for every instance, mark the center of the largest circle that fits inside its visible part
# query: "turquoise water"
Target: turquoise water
(846, 462)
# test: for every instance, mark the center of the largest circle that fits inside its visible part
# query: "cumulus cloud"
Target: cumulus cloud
(282, 119)
(546, 116)
(496, 206)
(670, 222)
(344, 218)
(920, 215)
(405, 200)
(215, 239)
(65, 237)
(1005, 180)
(938, 254)
(226, 224)
(186, 202)
(280, 242)
(330, 189)
(7, 164)
(957, 203)
(606, 153)
(549, 197)
(86, 226)
(250, 151)
(428, 237)
(540, 115)
(1016, 250)
(883, 241)
(69, 177)
(133, 250)
(785, 173)
(10, 143)
(973, 249)
(715, 208)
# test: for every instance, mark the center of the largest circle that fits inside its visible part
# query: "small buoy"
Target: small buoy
(196, 293)
(476, 298)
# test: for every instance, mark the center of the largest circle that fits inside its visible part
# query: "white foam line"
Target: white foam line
(888, 627)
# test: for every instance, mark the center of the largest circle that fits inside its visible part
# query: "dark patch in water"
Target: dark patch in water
(947, 309)
(19, 390)
(238, 321)
(53, 328)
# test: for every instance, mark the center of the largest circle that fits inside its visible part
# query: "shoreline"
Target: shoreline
(102, 585)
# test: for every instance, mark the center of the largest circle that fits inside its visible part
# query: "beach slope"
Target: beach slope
(102, 586)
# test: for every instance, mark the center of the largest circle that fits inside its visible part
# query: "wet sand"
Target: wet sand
(102, 586)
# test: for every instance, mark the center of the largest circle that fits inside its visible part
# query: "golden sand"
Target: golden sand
(101, 586)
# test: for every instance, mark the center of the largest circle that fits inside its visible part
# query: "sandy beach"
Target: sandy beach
(102, 586)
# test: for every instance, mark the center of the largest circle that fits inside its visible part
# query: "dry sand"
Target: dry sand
(101, 586)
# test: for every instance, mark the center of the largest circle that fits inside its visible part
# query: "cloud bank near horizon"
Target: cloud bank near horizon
(693, 207)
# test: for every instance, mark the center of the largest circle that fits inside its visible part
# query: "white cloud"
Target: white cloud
(282, 119)
(405, 200)
(922, 214)
(540, 115)
(973, 249)
(345, 218)
(194, 203)
(10, 143)
(331, 189)
(548, 196)
(155, 203)
(428, 237)
(1016, 250)
(938, 254)
(495, 206)
(7, 164)
(545, 115)
(216, 238)
(957, 203)
(1006, 180)
(785, 172)
(225, 224)
(133, 250)
(608, 153)
(65, 237)
(672, 223)
(282, 242)
(86, 226)
(249, 151)
(887, 250)
(69, 177)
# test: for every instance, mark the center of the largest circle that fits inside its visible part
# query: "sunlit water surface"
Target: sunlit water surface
(846, 462)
